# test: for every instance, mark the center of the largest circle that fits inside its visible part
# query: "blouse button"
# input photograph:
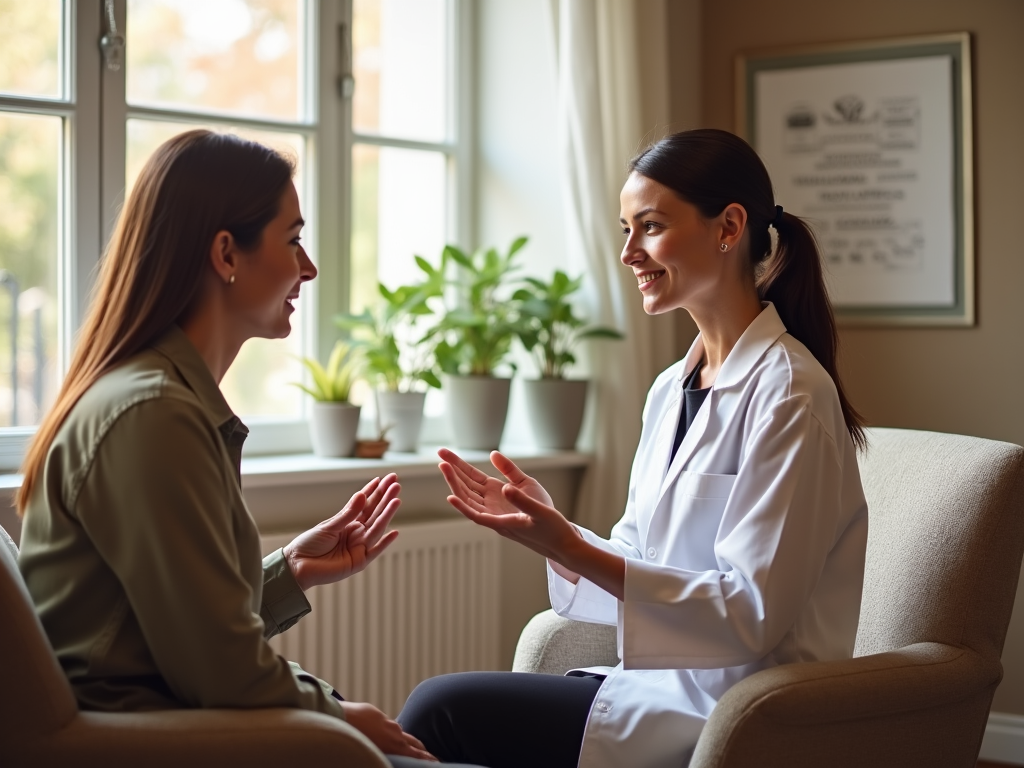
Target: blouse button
(652, 553)
(602, 706)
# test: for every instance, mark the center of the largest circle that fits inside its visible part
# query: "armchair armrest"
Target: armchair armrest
(198, 738)
(923, 705)
(553, 645)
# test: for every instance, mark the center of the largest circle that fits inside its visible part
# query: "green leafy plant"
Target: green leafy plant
(548, 326)
(398, 354)
(333, 383)
(475, 335)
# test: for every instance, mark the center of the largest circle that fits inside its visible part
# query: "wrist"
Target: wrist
(291, 560)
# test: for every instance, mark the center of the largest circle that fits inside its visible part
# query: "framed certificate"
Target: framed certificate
(872, 144)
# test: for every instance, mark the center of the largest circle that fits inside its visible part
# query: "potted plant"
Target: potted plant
(474, 338)
(399, 359)
(334, 420)
(550, 330)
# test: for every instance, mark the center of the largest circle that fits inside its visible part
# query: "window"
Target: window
(409, 152)
(382, 170)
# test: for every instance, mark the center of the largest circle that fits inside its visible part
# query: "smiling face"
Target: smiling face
(267, 279)
(676, 253)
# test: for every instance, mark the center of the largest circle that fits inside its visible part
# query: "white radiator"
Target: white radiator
(427, 606)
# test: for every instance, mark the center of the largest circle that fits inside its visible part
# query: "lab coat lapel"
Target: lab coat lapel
(764, 331)
(690, 442)
(661, 462)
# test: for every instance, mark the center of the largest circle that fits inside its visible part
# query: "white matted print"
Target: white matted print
(870, 151)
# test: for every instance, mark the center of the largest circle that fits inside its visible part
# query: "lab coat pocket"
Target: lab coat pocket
(691, 529)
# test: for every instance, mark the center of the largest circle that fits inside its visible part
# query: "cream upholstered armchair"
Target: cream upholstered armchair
(41, 725)
(946, 516)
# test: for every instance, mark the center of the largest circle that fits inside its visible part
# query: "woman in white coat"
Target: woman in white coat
(742, 544)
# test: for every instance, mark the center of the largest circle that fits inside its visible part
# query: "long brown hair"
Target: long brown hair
(711, 169)
(195, 185)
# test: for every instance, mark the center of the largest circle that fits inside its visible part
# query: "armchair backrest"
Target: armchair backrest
(37, 699)
(945, 540)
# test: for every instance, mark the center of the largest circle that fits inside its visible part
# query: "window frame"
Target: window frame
(95, 110)
(459, 149)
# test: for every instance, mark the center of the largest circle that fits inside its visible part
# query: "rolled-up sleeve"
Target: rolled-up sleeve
(155, 502)
(284, 602)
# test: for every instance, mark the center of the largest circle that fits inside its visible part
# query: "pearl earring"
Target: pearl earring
(724, 247)
(231, 280)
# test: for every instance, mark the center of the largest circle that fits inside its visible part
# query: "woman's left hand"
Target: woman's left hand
(348, 542)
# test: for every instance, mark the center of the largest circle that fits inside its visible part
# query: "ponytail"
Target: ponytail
(792, 279)
(711, 169)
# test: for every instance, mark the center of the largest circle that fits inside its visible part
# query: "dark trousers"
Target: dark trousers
(502, 719)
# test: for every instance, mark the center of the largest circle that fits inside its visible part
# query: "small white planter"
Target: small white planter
(401, 414)
(556, 411)
(333, 428)
(477, 407)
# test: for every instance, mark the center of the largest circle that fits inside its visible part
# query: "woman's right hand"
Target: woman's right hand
(518, 508)
(385, 733)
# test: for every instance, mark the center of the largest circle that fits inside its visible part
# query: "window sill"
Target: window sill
(305, 468)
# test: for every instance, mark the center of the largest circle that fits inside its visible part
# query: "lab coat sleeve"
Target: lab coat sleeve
(778, 525)
(585, 601)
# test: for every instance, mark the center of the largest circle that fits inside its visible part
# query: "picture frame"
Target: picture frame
(872, 143)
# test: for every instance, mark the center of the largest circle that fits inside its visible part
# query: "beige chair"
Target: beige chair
(41, 725)
(944, 554)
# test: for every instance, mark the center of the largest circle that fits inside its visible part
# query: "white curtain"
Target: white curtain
(612, 101)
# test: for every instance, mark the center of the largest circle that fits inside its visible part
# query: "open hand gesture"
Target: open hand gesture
(518, 508)
(348, 542)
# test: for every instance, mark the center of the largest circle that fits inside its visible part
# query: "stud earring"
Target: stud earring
(231, 280)
(724, 247)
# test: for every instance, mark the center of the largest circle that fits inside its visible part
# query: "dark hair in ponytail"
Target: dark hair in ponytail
(711, 169)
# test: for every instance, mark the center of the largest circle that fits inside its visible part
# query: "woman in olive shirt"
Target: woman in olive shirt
(137, 547)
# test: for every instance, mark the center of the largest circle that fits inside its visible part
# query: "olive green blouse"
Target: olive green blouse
(142, 559)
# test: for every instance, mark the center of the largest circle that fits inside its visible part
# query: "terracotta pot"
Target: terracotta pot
(371, 449)
(556, 411)
(333, 426)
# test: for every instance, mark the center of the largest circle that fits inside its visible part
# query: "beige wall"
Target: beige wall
(970, 380)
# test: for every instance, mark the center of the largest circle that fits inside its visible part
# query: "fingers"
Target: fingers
(508, 468)
(489, 520)
(380, 546)
(526, 503)
(471, 473)
(417, 749)
(457, 483)
(370, 514)
(380, 524)
(374, 497)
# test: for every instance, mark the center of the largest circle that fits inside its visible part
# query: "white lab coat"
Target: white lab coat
(745, 552)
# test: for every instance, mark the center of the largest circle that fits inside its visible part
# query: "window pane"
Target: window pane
(398, 211)
(237, 56)
(29, 204)
(30, 47)
(257, 384)
(400, 67)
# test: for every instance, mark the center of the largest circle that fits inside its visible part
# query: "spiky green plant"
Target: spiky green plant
(333, 383)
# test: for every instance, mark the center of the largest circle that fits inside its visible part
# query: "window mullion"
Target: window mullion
(113, 127)
(83, 237)
(334, 172)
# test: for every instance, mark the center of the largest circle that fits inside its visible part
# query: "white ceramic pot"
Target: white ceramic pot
(477, 407)
(401, 413)
(333, 427)
(556, 411)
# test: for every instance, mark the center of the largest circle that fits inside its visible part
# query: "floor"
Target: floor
(983, 764)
